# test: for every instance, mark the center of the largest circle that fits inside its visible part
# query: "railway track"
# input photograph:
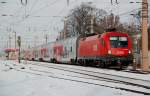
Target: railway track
(111, 68)
(100, 76)
(85, 77)
(88, 82)
(123, 79)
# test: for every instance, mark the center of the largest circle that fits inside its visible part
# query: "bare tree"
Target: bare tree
(79, 20)
(110, 22)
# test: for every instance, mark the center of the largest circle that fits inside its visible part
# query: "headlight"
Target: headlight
(129, 52)
(109, 51)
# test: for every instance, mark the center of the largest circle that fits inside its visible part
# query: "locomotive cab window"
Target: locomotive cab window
(118, 41)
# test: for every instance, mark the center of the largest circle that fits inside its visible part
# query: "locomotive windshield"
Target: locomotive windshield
(118, 41)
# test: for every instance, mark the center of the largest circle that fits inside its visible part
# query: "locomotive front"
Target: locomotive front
(119, 48)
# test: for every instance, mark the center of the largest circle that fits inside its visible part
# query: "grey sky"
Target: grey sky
(46, 17)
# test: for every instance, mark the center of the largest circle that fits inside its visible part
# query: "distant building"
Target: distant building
(11, 53)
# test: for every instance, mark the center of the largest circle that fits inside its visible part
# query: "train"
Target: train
(103, 50)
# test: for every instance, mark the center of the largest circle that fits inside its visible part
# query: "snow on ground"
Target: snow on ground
(113, 72)
(17, 83)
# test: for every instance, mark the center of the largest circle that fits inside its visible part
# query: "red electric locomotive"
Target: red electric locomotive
(107, 49)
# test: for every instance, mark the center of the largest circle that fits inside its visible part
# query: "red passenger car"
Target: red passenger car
(58, 51)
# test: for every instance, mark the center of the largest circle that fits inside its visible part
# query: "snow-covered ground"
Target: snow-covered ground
(14, 82)
(113, 72)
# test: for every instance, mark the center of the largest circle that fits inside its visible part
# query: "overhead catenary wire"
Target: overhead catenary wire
(40, 9)
(13, 16)
(36, 11)
(33, 5)
(127, 13)
(28, 15)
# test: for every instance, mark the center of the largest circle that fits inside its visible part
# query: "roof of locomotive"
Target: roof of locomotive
(93, 37)
(115, 33)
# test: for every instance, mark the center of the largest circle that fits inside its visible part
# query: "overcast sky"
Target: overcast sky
(47, 16)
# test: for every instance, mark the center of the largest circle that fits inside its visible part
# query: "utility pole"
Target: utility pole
(46, 38)
(15, 39)
(92, 17)
(7, 45)
(68, 2)
(65, 28)
(92, 20)
(9, 41)
(19, 44)
(145, 65)
(35, 39)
